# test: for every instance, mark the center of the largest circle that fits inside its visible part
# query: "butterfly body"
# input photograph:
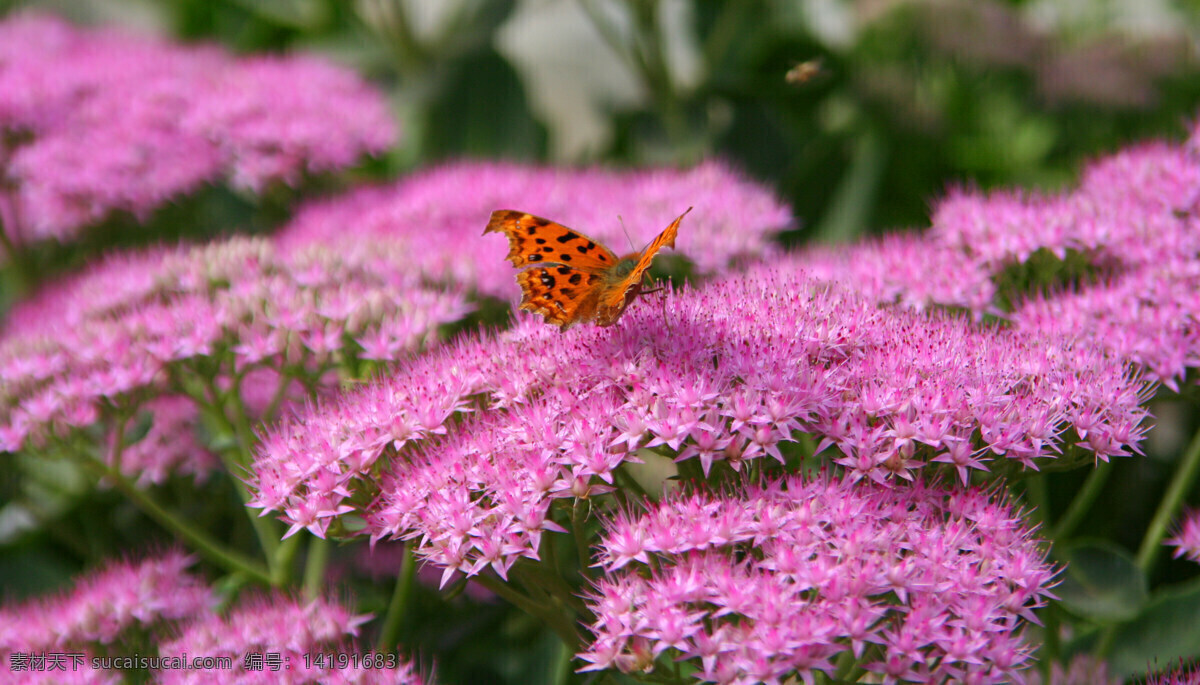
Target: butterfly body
(570, 278)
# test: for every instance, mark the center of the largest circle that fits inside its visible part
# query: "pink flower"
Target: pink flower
(105, 604)
(1187, 673)
(478, 439)
(169, 446)
(1187, 537)
(156, 599)
(1131, 223)
(122, 123)
(124, 338)
(702, 583)
(438, 215)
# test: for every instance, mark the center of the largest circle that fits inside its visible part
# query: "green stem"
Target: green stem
(16, 260)
(578, 523)
(544, 578)
(845, 664)
(281, 568)
(1082, 503)
(1148, 553)
(562, 668)
(397, 608)
(8, 196)
(285, 380)
(1035, 494)
(558, 621)
(314, 566)
(627, 482)
(241, 424)
(235, 460)
(202, 543)
(1172, 501)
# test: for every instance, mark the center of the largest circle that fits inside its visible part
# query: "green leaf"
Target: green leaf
(1166, 631)
(1102, 583)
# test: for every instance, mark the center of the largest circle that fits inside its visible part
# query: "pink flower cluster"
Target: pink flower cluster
(170, 445)
(1184, 674)
(157, 597)
(106, 121)
(921, 584)
(1187, 538)
(1133, 218)
(105, 604)
(439, 215)
(479, 437)
(157, 324)
(298, 632)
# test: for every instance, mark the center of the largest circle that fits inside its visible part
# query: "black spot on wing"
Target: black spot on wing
(534, 258)
(568, 237)
(568, 293)
(546, 279)
(564, 270)
(540, 241)
(547, 249)
(575, 279)
(564, 257)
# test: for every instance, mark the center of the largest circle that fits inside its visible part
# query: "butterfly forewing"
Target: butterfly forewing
(614, 298)
(534, 241)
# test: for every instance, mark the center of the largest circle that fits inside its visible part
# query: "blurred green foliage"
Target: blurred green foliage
(909, 96)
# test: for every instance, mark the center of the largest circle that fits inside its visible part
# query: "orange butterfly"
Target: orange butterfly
(574, 278)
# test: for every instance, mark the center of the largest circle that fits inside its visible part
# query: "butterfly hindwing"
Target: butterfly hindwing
(533, 240)
(561, 294)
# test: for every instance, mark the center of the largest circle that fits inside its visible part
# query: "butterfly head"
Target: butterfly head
(626, 266)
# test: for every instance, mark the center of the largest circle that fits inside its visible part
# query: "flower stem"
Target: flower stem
(543, 577)
(8, 241)
(1035, 494)
(281, 562)
(558, 621)
(390, 633)
(235, 460)
(578, 523)
(1082, 503)
(202, 543)
(314, 566)
(1181, 484)
(15, 259)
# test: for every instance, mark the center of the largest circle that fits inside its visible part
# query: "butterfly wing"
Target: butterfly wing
(617, 295)
(534, 241)
(563, 295)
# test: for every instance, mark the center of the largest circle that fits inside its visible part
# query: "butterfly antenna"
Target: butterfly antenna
(626, 232)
